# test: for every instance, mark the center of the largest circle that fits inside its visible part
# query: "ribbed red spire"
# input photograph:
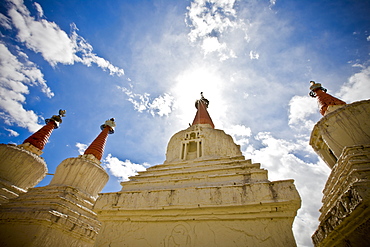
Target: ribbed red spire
(324, 100)
(202, 116)
(96, 148)
(41, 137)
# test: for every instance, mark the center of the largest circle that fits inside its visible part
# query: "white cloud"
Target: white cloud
(42, 36)
(300, 111)
(17, 72)
(368, 38)
(162, 105)
(122, 169)
(14, 78)
(53, 43)
(253, 55)
(211, 44)
(279, 157)
(207, 16)
(81, 147)
(240, 133)
(357, 87)
(238, 130)
(208, 21)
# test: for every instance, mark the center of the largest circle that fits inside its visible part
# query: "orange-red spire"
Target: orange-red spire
(324, 100)
(202, 116)
(41, 137)
(96, 148)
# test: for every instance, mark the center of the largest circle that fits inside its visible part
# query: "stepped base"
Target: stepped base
(215, 202)
(345, 214)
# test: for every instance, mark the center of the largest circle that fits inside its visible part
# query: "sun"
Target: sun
(190, 83)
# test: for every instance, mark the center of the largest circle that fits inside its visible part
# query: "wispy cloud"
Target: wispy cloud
(39, 9)
(5, 21)
(12, 132)
(161, 106)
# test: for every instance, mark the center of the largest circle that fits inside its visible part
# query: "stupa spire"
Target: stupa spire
(41, 137)
(323, 99)
(96, 148)
(202, 116)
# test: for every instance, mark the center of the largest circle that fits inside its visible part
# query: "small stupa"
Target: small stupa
(204, 194)
(342, 139)
(21, 167)
(60, 214)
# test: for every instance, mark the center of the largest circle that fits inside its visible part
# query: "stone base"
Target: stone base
(198, 232)
(345, 213)
(49, 216)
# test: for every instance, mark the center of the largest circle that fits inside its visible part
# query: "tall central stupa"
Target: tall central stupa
(204, 194)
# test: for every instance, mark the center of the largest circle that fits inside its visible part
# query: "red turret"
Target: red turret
(324, 100)
(202, 116)
(96, 148)
(41, 137)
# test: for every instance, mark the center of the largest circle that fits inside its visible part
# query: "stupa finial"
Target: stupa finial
(202, 116)
(41, 137)
(96, 148)
(324, 99)
(202, 100)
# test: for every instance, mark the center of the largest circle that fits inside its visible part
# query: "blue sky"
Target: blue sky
(146, 62)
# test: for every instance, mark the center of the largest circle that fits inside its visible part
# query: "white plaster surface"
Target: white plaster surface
(213, 197)
(346, 126)
(20, 170)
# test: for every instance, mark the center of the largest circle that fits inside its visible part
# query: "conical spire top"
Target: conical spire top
(41, 137)
(202, 116)
(323, 99)
(96, 148)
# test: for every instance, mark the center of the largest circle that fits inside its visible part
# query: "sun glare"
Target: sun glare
(188, 86)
